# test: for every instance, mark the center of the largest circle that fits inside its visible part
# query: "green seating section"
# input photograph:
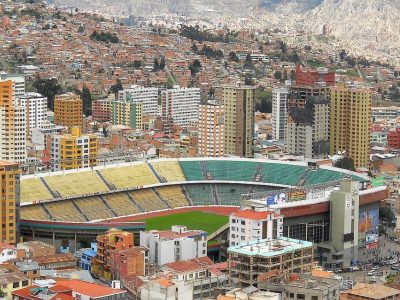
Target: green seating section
(231, 170)
(192, 170)
(322, 175)
(200, 194)
(231, 194)
(281, 173)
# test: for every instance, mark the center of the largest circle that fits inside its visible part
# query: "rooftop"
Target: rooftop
(269, 248)
(373, 291)
(251, 214)
(189, 265)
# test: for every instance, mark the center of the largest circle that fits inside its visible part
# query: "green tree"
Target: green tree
(115, 88)
(86, 97)
(248, 79)
(137, 64)
(156, 65)
(233, 56)
(249, 62)
(162, 63)
(81, 29)
(194, 48)
(48, 88)
(278, 75)
(345, 163)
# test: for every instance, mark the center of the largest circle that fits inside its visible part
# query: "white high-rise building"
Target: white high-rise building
(181, 104)
(211, 129)
(36, 108)
(279, 113)
(148, 96)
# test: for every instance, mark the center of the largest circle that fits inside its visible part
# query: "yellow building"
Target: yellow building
(68, 111)
(238, 104)
(350, 119)
(12, 281)
(73, 150)
(127, 113)
(10, 175)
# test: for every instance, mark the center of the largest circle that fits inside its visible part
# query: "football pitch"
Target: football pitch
(193, 220)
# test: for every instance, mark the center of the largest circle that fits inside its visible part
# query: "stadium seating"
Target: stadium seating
(94, 208)
(192, 170)
(73, 184)
(33, 212)
(322, 176)
(130, 176)
(121, 204)
(148, 200)
(231, 194)
(286, 174)
(170, 170)
(33, 189)
(64, 211)
(173, 195)
(231, 170)
(200, 194)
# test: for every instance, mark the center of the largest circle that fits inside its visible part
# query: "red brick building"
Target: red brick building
(129, 262)
(101, 111)
(393, 139)
(311, 77)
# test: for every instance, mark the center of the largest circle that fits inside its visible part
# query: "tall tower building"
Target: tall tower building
(10, 176)
(147, 96)
(279, 113)
(350, 119)
(12, 125)
(127, 113)
(68, 111)
(181, 104)
(239, 119)
(19, 83)
(211, 129)
(36, 106)
(308, 128)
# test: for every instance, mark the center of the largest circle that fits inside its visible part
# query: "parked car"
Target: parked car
(371, 273)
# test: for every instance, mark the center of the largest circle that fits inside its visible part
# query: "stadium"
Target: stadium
(67, 206)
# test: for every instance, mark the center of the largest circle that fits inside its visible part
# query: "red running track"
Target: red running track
(220, 210)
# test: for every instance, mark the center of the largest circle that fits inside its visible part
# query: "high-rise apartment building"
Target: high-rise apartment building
(10, 176)
(36, 106)
(308, 128)
(279, 113)
(315, 77)
(211, 129)
(19, 83)
(238, 104)
(12, 125)
(350, 119)
(68, 111)
(148, 96)
(181, 104)
(127, 113)
(73, 150)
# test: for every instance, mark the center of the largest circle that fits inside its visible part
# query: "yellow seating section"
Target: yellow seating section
(131, 176)
(148, 200)
(94, 208)
(34, 212)
(170, 170)
(64, 211)
(173, 195)
(76, 184)
(121, 204)
(33, 189)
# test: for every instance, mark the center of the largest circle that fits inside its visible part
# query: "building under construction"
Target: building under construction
(286, 256)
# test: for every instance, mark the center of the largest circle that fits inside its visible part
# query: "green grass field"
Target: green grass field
(193, 220)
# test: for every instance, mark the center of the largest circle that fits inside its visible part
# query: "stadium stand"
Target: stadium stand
(34, 212)
(129, 176)
(121, 204)
(173, 195)
(64, 211)
(80, 183)
(148, 200)
(192, 170)
(33, 189)
(231, 170)
(170, 170)
(322, 175)
(286, 174)
(200, 194)
(230, 194)
(93, 208)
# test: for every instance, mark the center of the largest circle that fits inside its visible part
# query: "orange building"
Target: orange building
(68, 111)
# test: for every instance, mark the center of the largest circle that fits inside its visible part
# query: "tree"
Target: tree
(263, 101)
(342, 55)
(46, 27)
(249, 62)
(156, 65)
(278, 75)
(194, 48)
(195, 67)
(86, 97)
(162, 63)
(285, 75)
(48, 88)
(248, 79)
(115, 88)
(81, 29)
(233, 57)
(345, 163)
(137, 64)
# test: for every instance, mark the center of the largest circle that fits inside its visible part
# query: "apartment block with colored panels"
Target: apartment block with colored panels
(73, 150)
(68, 111)
(127, 113)
(113, 240)
(10, 176)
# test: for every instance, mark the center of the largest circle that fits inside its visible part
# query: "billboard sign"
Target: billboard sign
(297, 195)
(368, 221)
(276, 199)
(371, 240)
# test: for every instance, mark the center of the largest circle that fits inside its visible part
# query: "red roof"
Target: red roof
(89, 289)
(251, 214)
(191, 264)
